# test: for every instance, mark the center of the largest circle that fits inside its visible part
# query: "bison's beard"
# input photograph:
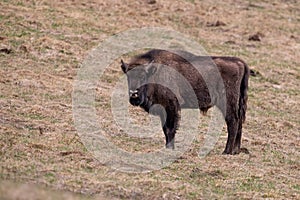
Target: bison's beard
(140, 100)
(135, 101)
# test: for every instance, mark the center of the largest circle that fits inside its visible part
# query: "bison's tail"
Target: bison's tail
(243, 93)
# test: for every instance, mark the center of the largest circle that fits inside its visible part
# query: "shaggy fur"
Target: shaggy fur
(206, 85)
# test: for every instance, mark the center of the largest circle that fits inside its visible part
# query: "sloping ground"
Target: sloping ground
(43, 44)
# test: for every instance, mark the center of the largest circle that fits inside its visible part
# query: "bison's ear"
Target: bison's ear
(124, 66)
(151, 68)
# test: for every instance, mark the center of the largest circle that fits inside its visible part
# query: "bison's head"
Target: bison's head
(138, 77)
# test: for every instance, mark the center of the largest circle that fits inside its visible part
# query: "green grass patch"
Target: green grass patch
(50, 177)
(251, 184)
(296, 187)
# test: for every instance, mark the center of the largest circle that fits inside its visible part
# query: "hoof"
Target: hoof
(227, 153)
(170, 146)
(230, 152)
(236, 151)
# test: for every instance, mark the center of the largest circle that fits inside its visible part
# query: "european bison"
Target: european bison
(209, 88)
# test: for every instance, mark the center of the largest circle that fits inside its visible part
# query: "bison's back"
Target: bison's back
(210, 77)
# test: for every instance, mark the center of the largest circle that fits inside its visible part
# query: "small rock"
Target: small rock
(23, 48)
(30, 83)
(230, 42)
(256, 37)
(5, 50)
(151, 1)
(217, 23)
(277, 86)
(245, 151)
(220, 23)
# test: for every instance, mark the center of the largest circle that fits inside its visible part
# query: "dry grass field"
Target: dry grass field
(42, 47)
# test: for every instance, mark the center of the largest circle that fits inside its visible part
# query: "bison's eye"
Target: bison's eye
(142, 77)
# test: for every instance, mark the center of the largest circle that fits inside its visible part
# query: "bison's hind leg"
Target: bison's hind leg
(238, 139)
(237, 143)
(232, 129)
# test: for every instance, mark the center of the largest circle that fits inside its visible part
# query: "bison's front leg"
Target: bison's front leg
(170, 127)
(170, 137)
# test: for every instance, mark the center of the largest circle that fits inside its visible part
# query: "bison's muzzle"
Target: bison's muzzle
(134, 98)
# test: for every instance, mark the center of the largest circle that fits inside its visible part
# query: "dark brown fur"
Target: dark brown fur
(234, 72)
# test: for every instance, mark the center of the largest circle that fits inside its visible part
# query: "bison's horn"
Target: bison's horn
(124, 66)
(151, 69)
